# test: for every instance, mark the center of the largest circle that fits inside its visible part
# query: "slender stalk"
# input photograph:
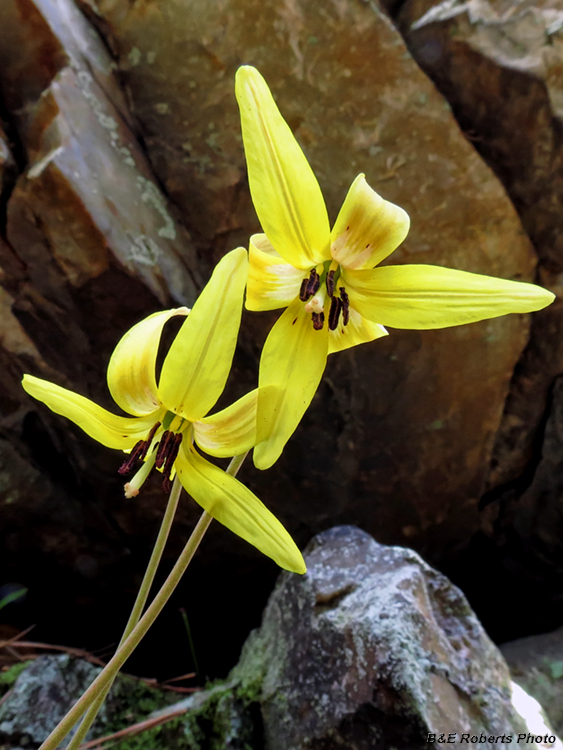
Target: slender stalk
(138, 607)
(103, 681)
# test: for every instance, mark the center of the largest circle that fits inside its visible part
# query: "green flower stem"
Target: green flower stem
(138, 607)
(104, 680)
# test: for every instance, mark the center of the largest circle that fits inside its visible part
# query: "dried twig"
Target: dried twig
(141, 726)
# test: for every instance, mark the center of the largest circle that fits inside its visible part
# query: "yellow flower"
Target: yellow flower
(335, 298)
(169, 417)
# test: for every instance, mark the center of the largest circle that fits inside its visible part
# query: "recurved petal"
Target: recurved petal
(291, 367)
(237, 508)
(368, 227)
(197, 365)
(358, 331)
(231, 431)
(420, 296)
(272, 283)
(112, 431)
(131, 369)
(285, 192)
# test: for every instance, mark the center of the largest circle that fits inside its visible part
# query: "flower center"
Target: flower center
(314, 290)
(161, 446)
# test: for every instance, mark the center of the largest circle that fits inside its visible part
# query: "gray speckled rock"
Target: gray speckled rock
(41, 697)
(371, 649)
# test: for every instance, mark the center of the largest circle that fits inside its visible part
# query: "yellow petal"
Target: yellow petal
(421, 297)
(109, 430)
(285, 192)
(198, 363)
(291, 367)
(368, 227)
(237, 508)
(231, 431)
(131, 369)
(272, 283)
(358, 331)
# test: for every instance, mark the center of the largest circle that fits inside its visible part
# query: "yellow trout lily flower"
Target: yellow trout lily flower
(335, 298)
(168, 418)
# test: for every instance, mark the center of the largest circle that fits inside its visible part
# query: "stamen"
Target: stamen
(345, 305)
(164, 448)
(166, 483)
(138, 451)
(303, 294)
(330, 283)
(318, 321)
(313, 283)
(149, 440)
(334, 313)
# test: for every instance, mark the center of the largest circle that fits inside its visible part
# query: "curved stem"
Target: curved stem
(104, 680)
(138, 607)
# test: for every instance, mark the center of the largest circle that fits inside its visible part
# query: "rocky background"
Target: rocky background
(123, 182)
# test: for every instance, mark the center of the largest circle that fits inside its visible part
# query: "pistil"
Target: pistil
(132, 488)
(138, 452)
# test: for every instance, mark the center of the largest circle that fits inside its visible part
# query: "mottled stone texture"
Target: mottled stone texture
(393, 422)
(536, 663)
(372, 649)
(48, 688)
(127, 182)
(499, 65)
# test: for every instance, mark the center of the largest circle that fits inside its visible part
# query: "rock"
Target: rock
(500, 65)
(372, 648)
(41, 697)
(429, 446)
(393, 440)
(536, 664)
(49, 687)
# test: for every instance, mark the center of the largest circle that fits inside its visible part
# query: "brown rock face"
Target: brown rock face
(499, 65)
(402, 413)
(400, 436)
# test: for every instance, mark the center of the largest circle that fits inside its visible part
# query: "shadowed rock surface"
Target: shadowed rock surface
(370, 649)
(51, 685)
(536, 663)
(499, 66)
(126, 182)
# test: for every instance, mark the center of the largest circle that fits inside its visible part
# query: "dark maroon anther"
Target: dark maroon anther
(173, 452)
(148, 441)
(334, 313)
(345, 305)
(303, 294)
(330, 283)
(314, 283)
(164, 448)
(318, 320)
(136, 452)
(169, 463)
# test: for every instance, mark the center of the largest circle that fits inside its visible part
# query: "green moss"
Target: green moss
(8, 678)
(130, 702)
